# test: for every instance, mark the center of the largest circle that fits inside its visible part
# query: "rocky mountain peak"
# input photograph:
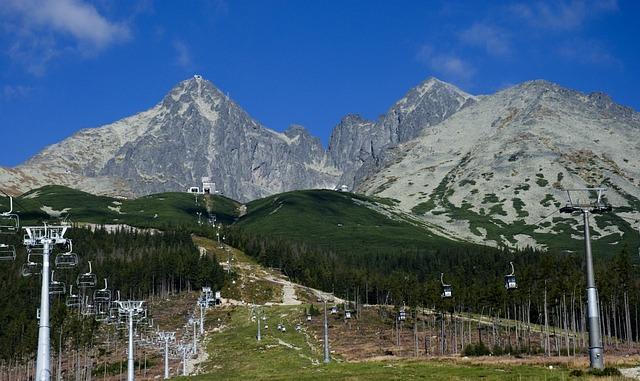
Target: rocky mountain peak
(427, 104)
(352, 119)
(296, 130)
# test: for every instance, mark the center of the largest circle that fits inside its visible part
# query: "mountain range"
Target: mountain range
(479, 168)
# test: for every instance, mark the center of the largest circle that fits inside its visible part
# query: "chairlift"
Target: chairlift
(103, 294)
(113, 308)
(31, 268)
(88, 279)
(67, 260)
(7, 252)
(102, 312)
(35, 249)
(9, 221)
(347, 314)
(73, 300)
(447, 290)
(56, 287)
(510, 279)
(334, 310)
(88, 308)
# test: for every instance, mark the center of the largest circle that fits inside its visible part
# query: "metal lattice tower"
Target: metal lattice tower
(585, 207)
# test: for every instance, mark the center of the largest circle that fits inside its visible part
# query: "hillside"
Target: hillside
(338, 221)
(158, 210)
(493, 171)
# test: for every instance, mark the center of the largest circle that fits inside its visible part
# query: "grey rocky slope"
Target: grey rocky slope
(496, 168)
(359, 147)
(195, 131)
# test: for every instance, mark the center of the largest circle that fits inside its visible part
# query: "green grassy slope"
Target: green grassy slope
(158, 210)
(235, 354)
(334, 220)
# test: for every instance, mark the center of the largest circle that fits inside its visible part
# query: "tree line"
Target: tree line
(551, 286)
(141, 265)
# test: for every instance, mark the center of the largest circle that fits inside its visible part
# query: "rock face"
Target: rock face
(485, 169)
(494, 169)
(360, 148)
(200, 132)
(195, 131)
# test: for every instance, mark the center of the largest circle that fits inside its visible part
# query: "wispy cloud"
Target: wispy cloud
(10, 92)
(450, 66)
(183, 55)
(587, 52)
(44, 29)
(561, 15)
(494, 40)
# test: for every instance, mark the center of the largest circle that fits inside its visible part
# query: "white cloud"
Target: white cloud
(183, 55)
(44, 29)
(72, 17)
(15, 91)
(493, 39)
(450, 66)
(587, 52)
(561, 15)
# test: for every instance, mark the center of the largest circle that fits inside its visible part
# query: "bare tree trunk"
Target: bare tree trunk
(547, 349)
(629, 334)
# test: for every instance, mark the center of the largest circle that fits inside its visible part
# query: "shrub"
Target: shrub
(606, 372)
(476, 350)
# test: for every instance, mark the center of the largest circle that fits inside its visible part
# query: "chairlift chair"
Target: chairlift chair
(447, 290)
(102, 312)
(88, 309)
(35, 249)
(7, 252)
(113, 308)
(31, 268)
(103, 294)
(334, 310)
(510, 279)
(9, 221)
(56, 287)
(402, 315)
(67, 260)
(73, 300)
(87, 280)
(347, 314)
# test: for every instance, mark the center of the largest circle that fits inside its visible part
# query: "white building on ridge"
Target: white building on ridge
(208, 187)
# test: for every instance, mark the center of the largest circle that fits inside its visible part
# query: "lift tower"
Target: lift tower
(44, 238)
(134, 312)
(586, 206)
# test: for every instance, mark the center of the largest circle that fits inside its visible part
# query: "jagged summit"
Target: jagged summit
(435, 134)
(351, 119)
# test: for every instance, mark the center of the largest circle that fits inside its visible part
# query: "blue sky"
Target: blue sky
(72, 64)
